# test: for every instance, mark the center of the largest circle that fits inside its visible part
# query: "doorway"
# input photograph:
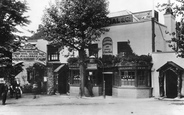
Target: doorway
(108, 84)
(171, 84)
(62, 83)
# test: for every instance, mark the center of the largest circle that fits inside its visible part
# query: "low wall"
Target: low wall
(74, 91)
(131, 92)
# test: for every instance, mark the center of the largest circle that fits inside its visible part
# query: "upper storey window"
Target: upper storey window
(53, 53)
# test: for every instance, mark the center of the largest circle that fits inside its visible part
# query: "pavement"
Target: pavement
(68, 105)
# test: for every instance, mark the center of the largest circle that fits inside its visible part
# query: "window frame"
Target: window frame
(128, 79)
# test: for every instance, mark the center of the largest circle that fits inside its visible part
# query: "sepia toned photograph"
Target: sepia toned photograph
(91, 57)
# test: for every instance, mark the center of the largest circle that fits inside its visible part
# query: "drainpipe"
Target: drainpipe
(153, 33)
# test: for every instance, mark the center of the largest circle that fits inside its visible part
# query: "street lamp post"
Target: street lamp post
(93, 57)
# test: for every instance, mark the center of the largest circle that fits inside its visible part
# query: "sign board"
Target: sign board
(143, 15)
(2, 80)
(92, 66)
(29, 53)
(121, 19)
(107, 47)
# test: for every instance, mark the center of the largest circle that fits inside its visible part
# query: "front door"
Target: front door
(108, 84)
(62, 83)
(171, 84)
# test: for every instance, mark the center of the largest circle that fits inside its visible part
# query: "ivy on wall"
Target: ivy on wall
(111, 60)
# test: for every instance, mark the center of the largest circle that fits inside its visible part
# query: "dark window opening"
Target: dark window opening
(53, 53)
(93, 50)
(124, 48)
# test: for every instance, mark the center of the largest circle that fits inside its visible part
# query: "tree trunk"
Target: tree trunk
(82, 70)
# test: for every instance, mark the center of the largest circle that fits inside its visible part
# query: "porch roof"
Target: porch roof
(170, 64)
(59, 68)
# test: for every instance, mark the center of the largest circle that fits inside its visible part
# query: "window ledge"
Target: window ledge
(131, 87)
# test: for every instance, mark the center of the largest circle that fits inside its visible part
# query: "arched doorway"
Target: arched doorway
(171, 84)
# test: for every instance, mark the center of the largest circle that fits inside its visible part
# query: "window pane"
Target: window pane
(54, 57)
(142, 78)
(128, 78)
(76, 77)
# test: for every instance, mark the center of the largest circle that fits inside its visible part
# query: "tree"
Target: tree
(11, 16)
(177, 38)
(76, 24)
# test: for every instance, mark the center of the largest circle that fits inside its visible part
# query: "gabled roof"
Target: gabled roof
(168, 65)
(59, 68)
(36, 36)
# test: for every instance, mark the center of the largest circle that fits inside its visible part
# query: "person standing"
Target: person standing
(4, 90)
(11, 91)
(34, 90)
(90, 86)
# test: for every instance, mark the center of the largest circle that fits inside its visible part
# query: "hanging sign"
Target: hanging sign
(107, 46)
(91, 66)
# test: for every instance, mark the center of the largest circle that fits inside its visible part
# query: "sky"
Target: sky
(36, 9)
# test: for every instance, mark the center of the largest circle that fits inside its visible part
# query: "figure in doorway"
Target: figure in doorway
(34, 90)
(90, 85)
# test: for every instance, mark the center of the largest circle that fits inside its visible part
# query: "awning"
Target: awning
(59, 68)
(17, 62)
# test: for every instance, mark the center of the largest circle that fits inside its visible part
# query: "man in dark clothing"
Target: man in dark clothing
(17, 92)
(4, 90)
(34, 90)
(90, 86)
(11, 91)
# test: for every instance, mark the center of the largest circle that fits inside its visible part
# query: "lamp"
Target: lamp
(92, 60)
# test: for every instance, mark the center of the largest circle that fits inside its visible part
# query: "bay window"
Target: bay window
(128, 78)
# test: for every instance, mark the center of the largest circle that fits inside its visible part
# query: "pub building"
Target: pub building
(142, 34)
(139, 33)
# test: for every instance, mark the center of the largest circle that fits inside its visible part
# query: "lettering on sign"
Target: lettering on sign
(107, 47)
(141, 67)
(29, 53)
(121, 19)
(143, 15)
(92, 66)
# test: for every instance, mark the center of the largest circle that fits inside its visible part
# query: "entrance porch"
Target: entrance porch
(170, 80)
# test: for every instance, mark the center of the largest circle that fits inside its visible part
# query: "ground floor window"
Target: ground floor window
(132, 76)
(75, 77)
(127, 78)
(142, 78)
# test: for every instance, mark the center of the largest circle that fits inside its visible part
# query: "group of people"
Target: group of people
(14, 91)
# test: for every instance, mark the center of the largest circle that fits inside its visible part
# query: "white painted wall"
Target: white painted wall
(140, 36)
(41, 44)
(159, 59)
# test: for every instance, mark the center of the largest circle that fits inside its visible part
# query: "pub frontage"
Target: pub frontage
(123, 78)
(132, 80)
